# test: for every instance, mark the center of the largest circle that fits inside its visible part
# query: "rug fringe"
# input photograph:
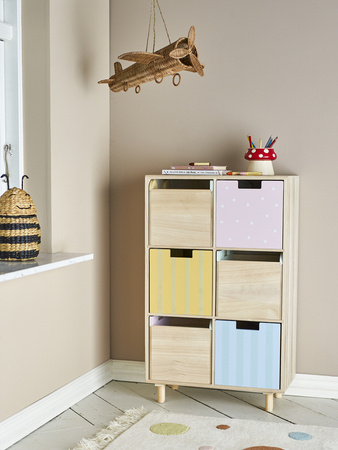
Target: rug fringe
(113, 430)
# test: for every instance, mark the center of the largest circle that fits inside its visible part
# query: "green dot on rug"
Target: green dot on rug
(169, 429)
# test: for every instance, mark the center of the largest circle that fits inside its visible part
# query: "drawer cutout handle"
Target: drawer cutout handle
(249, 184)
(180, 253)
(245, 325)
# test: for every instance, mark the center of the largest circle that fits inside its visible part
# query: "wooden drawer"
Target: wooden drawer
(180, 217)
(249, 290)
(180, 281)
(180, 354)
(247, 354)
(249, 214)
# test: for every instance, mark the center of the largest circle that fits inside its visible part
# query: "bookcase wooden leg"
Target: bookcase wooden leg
(269, 402)
(278, 395)
(160, 393)
(174, 387)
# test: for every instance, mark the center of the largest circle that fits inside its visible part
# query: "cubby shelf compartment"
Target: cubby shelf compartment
(180, 350)
(180, 213)
(180, 281)
(249, 285)
(249, 214)
(233, 240)
(247, 354)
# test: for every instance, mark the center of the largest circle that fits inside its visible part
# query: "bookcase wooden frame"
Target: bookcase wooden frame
(288, 308)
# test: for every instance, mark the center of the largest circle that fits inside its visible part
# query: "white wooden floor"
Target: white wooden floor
(87, 417)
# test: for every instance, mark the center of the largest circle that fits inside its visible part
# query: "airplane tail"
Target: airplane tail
(117, 67)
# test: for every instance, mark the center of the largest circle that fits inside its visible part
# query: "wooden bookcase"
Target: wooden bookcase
(221, 282)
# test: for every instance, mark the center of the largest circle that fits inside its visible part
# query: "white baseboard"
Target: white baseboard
(34, 416)
(303, 385)
(129, 371)
(319, 386)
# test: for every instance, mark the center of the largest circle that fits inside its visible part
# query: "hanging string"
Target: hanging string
(154, 9)
(165, 25)
(153, 18)
(152, 5)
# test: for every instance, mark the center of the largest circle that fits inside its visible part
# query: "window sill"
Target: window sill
(10, 270)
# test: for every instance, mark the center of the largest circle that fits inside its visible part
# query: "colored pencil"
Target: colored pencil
(244, 173)
(268, 142)
(272, 143)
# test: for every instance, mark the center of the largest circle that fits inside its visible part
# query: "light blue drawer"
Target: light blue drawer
(247, 357)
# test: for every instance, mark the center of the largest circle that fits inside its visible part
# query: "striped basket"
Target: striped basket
(20, 232)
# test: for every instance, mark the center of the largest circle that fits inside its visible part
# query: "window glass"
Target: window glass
(2, 106)
(2, 90)
(10, 93)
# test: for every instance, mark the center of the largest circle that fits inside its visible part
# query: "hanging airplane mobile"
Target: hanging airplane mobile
(170, 60)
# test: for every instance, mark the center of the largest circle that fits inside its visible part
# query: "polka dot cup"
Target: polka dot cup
(260, 160)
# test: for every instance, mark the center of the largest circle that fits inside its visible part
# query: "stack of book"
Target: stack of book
(196, 168)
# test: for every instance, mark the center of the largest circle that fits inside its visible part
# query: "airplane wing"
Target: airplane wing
(140, 57)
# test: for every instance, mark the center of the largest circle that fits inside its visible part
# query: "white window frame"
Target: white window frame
(2, 103)
(11, 116)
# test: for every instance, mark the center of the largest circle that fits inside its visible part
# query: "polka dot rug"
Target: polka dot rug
(141, 430)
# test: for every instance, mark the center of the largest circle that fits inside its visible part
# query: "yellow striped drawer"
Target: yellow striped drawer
(181, 284)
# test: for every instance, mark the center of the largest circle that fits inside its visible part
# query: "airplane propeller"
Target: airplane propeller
(179, 53)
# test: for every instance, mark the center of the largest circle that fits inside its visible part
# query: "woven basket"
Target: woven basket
(20, 232)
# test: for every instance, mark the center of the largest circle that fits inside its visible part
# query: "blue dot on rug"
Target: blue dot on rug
(169, 429)
(299, 436)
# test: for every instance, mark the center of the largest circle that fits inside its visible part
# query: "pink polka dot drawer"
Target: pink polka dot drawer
(249, 214)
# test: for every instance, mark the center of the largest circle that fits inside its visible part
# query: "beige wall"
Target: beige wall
(54, 326)
(270, 67)
(278, 78)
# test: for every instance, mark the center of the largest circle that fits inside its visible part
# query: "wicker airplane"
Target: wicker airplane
(175, 57)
